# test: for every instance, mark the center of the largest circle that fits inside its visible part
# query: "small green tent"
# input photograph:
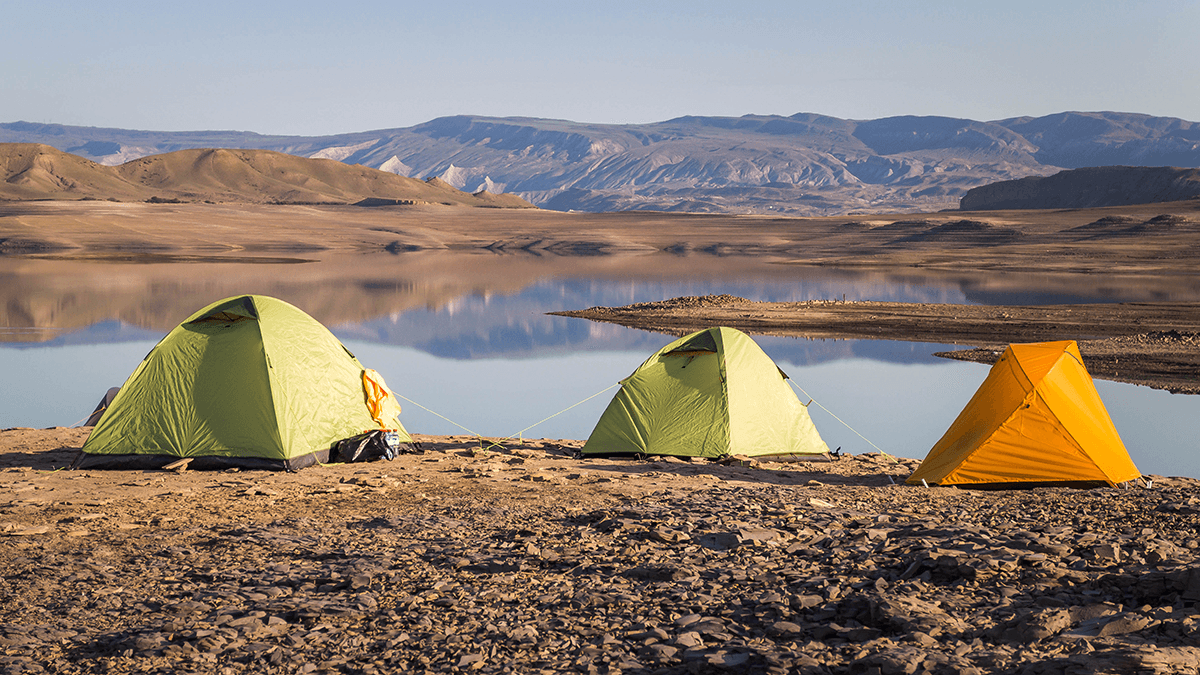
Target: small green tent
(709, 394)
(248, 381)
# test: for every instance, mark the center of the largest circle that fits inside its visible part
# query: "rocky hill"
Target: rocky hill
(30, 171)
(805, 164)
(1087, 188)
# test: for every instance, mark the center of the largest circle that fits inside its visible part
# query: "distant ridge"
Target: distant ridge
(30, 171)
(36, 171)
(1087, 188)
(803, 164)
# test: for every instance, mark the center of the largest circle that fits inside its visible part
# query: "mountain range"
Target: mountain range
(803, 164)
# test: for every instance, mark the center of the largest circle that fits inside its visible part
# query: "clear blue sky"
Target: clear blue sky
(327, 67)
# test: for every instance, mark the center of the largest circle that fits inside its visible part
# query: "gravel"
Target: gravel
(630, 567)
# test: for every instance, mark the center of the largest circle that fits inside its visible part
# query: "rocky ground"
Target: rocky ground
(1145, 343)
(524, 559)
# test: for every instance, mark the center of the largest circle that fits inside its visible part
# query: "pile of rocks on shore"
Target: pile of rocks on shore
(731, 576)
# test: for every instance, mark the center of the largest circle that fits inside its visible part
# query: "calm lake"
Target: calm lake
(468, 338)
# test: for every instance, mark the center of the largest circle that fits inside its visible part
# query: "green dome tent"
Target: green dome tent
(709, 394)
(248, 381)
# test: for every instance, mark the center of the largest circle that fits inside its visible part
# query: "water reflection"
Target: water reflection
(516, 325)
(45, 300)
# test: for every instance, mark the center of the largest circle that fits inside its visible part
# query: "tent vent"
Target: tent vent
(701, 342)
(237, 309)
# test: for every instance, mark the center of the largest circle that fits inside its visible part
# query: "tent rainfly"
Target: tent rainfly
(1036, 420)
(249, 381)
(709, 394)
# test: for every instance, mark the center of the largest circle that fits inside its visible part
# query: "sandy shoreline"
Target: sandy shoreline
(524, 559)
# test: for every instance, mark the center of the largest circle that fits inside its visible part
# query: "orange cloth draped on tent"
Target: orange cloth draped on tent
(381, 401)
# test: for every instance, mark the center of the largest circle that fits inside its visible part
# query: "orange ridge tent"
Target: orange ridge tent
(1037, 419)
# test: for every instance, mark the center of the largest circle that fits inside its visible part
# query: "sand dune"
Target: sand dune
(31, 171)
(34, 171)
(963, 231)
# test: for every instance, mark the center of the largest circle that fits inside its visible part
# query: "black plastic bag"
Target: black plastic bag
(369, 446)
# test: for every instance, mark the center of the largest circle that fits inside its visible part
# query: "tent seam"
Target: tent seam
(723, 373)
(987, 439)
(277, 426)
(1067, 432)
(1009, 416)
